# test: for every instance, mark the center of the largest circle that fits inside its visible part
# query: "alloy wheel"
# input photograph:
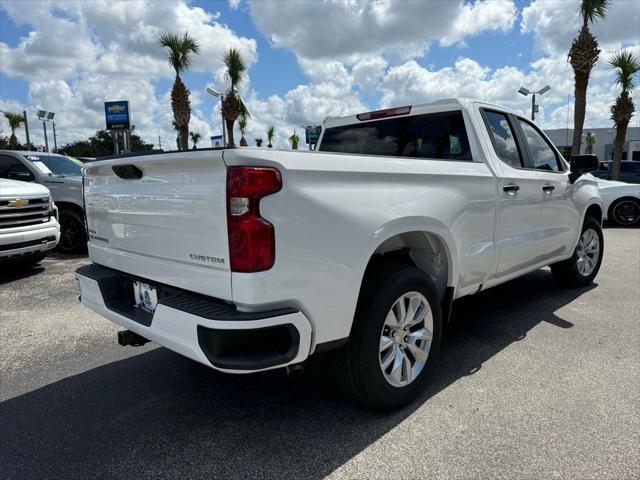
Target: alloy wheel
(405, 339)
(588, 252)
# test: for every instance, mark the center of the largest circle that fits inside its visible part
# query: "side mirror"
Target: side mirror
(22, 176)
(581, 164)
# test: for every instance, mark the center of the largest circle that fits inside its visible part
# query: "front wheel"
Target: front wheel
(395, 335)
(584, 264)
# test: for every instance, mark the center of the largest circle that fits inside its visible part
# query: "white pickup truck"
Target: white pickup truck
(28, 223)
(249, 259)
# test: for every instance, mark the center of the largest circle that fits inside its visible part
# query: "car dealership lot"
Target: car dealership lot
(533, 381)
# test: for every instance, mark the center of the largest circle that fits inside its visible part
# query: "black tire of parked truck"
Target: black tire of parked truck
(568, 272)
(360, 369)
(73, 237)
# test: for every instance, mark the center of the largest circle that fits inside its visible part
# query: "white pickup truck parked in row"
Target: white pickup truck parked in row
(251, 259)
(28, 223)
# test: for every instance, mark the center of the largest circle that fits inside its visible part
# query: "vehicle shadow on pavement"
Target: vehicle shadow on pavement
(159, 415)
(11, 272)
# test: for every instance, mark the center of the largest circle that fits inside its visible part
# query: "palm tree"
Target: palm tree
(232, 105)
(294, 139)
(242, 125)
(590, 140)
(271, 133)
(181, 50)
(626, 66)
(15, 120)
(195, 138)
(583, 56)
(259, 142)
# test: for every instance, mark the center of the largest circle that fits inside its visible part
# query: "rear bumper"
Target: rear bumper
(24, 241)
(204, 329)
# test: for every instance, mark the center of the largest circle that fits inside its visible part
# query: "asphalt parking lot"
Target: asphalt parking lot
(533, 381)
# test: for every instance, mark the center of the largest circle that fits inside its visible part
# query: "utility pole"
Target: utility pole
(55, 141)
(159, 143)
(26, 129)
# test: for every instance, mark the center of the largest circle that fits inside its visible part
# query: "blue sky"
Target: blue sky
(307, 59)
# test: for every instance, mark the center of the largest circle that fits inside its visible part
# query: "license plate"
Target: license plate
(146, 297)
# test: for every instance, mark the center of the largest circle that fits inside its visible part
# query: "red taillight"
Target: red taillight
(252, 244)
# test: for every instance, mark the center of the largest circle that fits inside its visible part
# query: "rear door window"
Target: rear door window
(503, 138)
(440, 136)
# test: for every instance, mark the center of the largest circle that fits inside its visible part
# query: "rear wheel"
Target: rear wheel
(584, 264)
(625, 212)
(73, 238)
(395, 335)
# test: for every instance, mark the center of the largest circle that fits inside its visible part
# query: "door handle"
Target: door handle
(548, 188)
(511, 188)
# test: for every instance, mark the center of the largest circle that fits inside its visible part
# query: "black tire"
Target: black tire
(73, 237)
(625, 212)
(358, 367)
(567, 272)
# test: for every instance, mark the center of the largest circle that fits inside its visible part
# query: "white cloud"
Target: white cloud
(481, 16)
(554, 23)
(345, 29)
(349, 50)
(80, 54)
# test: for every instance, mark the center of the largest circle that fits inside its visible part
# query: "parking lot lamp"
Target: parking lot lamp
(534, 107)
(215, 93)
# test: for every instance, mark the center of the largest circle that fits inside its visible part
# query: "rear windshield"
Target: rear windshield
(435, 135)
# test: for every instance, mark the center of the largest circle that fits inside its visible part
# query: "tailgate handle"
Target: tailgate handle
(127, 171)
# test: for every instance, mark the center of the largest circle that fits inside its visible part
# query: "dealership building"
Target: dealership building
(603, 148)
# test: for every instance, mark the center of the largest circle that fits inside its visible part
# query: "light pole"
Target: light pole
(534, 107)
(47, 117)
(215, 93)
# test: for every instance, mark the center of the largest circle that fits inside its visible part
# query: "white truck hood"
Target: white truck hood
(16, 188)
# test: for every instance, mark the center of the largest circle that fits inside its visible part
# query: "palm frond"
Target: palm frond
(242, 124)
(271, 132)
(14, 119)
(236, 67)
(627, 66)
(181, 50)
(592, 10)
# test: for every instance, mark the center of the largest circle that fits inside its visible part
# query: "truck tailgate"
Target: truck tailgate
(168, 225)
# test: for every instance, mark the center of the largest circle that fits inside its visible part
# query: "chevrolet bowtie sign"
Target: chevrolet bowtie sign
(117, 115)
(18, 202)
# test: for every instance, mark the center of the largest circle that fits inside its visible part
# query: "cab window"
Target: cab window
(541, 155)
(503, 138)
(441, 136)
